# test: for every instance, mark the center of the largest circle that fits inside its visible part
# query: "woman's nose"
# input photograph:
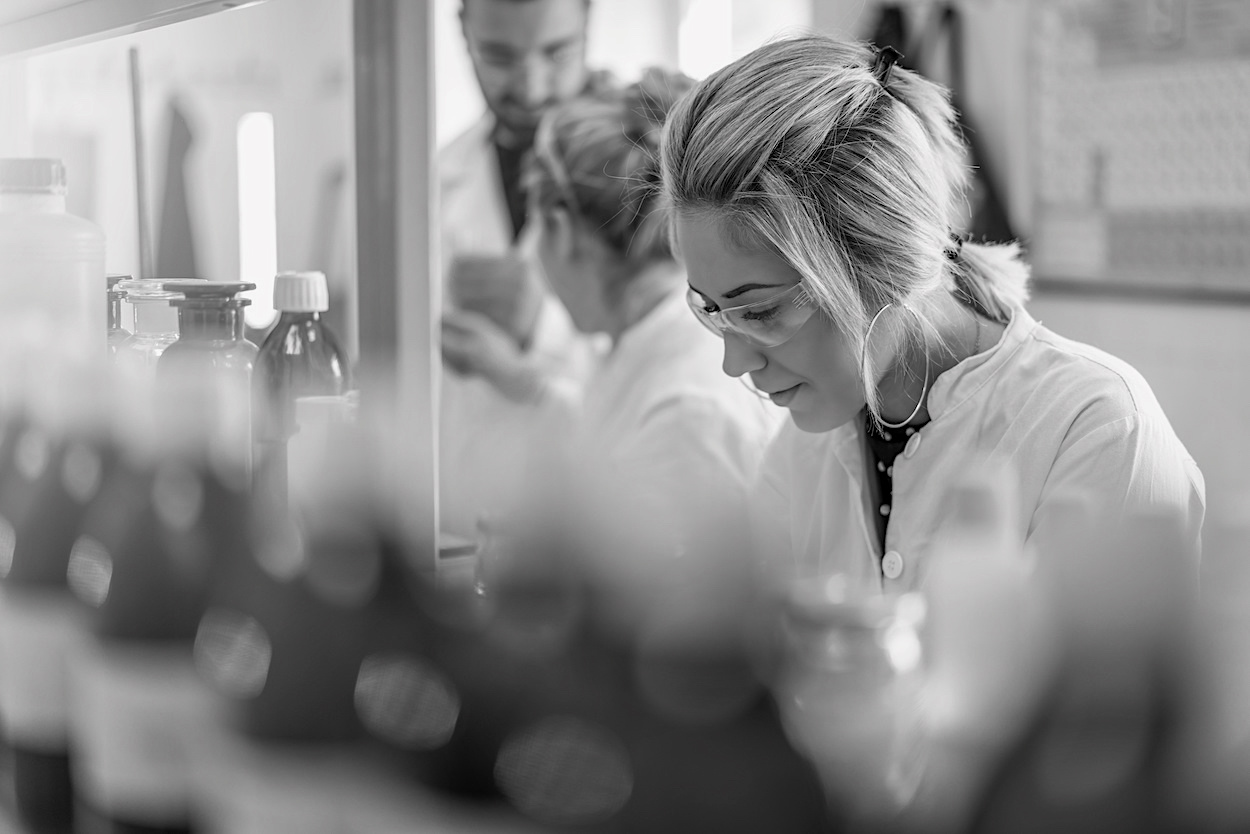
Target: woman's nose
(741, 357)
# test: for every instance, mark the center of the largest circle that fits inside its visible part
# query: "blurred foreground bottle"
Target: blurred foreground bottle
(148, 550)
(53, 262)
(300, 357)
(204, 379)
(1101, 746)
(282, 641)
(988, 642)
(848, 688)
(601, 683)
(53, 474)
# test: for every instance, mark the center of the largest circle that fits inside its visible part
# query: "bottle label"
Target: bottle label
(143, 727)
(41, 636)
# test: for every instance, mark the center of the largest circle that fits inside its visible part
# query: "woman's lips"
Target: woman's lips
(783, 398)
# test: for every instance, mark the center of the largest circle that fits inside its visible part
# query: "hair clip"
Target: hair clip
(952, 252)
(887, 57)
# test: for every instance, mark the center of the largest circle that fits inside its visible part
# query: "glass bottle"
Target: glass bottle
(117, 332)
(154, 321)
(204, 379)
(300, 357)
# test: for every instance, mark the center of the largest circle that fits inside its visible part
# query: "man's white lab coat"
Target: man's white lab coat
(1067, 418)
(484, 439)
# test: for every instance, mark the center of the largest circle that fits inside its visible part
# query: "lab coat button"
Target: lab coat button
(912, 445)
(892, 564)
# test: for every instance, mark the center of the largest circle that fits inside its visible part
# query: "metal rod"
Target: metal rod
(146, 268)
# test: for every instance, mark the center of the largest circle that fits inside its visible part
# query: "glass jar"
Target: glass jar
(154, 321)
(117, 332)
(204, 379)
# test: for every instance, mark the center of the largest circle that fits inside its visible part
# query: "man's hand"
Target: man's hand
(473, 345)
(502, 288)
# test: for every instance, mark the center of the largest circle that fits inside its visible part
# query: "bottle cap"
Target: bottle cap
(149, 288)
(301, 292)
(196, 292)
(32, 176)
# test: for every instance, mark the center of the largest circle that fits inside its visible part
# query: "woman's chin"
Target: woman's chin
(815, 422)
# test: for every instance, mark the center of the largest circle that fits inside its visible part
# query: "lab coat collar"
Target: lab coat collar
(459, 159)
(471, 194)
(958, 384)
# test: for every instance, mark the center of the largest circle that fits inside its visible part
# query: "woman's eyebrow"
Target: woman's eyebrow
(745, 288)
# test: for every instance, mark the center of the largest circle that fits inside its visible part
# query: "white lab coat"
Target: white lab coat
(484, 439)
(1067, 418)
(661, 409)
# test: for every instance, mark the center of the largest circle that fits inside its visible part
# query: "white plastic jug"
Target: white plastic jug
(51, 262)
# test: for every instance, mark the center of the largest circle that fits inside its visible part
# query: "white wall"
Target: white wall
(14, 118)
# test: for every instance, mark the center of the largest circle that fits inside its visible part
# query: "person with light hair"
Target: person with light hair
(657, 419)
(815, 188)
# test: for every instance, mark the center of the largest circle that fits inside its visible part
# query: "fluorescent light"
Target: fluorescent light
(258, 214)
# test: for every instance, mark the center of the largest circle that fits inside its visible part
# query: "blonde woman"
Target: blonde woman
(814, 187)
(657, 417)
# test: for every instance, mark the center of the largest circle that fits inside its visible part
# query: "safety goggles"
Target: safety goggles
(766, 323)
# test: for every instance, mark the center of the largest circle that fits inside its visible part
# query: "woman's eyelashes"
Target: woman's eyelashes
(762, 315)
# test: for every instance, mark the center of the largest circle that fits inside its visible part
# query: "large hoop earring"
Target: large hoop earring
(863, 369)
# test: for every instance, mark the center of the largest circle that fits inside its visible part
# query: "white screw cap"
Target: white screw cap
(301, 292)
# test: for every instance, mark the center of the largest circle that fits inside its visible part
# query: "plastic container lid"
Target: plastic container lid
(301, 292)
(32, 176)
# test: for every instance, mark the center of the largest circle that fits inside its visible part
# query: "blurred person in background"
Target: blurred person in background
(658, 419)
(527, 55)
(814, 186)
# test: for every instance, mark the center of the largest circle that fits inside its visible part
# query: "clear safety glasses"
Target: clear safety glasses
(766, 323)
